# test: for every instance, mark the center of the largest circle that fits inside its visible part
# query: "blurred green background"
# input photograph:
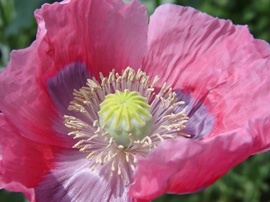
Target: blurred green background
(247, 182)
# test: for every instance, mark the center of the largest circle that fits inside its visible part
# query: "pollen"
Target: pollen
(118, 117)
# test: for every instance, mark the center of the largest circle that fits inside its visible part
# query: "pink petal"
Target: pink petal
(103, 34)
(22, 161)
(41, 31)
(63, 39)
(24, 100)
(72, 180)
(202, 55)
(259, 129)
(186, 165)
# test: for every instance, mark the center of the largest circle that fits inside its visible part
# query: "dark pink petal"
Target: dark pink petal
(25, 101)
(72, 180)
(186, 165)
(22, 162)
(103, 34)
(206, 56)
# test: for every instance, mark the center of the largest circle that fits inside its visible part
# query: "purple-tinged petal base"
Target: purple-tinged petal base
(61, 87)
(200, 122)
(73, 181)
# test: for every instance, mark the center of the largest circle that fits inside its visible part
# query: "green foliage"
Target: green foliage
(247, 182)
(17, 25)
(6, 196)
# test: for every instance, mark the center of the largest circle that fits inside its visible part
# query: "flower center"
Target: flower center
(122, 117)
(124, 113)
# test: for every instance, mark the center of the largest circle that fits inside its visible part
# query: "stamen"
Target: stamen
(103, 149)
(154, 82)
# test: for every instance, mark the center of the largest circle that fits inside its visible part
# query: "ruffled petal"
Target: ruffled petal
(186, 165)
(65, 39)
(206, 56)
(25, 101)
(259, 129)
(72, 180)
(102, 34)
(22, 162)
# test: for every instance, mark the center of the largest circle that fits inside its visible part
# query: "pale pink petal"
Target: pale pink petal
(103, 34)
(22, 161)
(72, 180)
(186, 165)
(64, 1)
(41, 31)
(202, 55)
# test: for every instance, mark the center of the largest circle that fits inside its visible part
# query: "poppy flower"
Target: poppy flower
(104, 106)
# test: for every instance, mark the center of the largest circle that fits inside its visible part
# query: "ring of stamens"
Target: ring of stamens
(97, 143)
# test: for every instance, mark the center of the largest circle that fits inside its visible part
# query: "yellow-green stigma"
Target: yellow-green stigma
(125, 114)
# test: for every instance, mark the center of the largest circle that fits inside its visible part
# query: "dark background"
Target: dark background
(247, 182)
